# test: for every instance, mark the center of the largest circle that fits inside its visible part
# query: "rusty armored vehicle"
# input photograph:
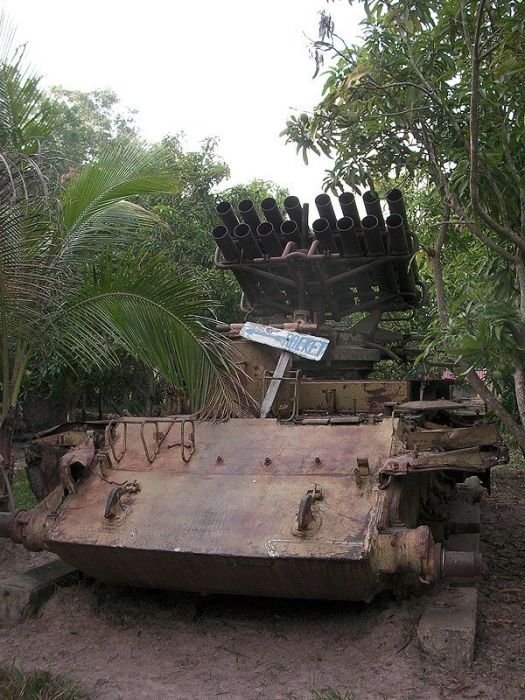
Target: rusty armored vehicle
(338, 486)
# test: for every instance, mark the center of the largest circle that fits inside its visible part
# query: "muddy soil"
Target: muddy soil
(126, 644)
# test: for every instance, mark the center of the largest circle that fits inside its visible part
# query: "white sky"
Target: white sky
(234, 69)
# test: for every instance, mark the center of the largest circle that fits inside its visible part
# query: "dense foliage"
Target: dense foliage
(91, 274)
(432, 97)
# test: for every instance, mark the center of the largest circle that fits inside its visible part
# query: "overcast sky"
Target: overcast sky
(234, 69)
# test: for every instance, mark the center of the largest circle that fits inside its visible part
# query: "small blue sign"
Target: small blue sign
(308, 346)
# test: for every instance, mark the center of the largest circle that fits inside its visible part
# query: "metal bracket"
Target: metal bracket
(149, 457)
(294, 376)
(186, 456)
(111, 442)
(114, 502)
(362, 471)
(103, 463)
(306, 519)
(159, 436)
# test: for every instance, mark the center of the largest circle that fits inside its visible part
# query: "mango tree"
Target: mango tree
(433, 95)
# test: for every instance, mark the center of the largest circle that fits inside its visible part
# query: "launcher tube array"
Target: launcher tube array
(340, 265)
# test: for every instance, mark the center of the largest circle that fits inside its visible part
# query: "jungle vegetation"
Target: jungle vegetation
(431, 100)
(105, 257)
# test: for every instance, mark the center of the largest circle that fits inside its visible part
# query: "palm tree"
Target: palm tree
(73, 279)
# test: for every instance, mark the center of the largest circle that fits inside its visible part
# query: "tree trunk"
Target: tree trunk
(519, 386)
(519, 336)
(515, 429)
(7, 427)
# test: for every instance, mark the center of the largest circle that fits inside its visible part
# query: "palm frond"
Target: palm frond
(26, 118)
(25, 278)
(119, 225)
(123, 169)
(157, 316)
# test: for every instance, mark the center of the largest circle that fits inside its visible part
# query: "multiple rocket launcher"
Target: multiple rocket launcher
(350, 263)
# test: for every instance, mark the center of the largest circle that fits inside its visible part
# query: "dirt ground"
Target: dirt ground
(126, 644)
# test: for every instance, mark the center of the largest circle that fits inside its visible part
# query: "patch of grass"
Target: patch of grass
(37, 685)
(22, 494)
(331, 694)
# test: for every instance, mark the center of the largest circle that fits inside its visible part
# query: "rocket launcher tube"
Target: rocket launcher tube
(227, 216)
(225, 243)
(294, 210)
(349, 238)
(246, 240)
(373, 207)
(326, 210)
(385, 275)
(397, 238)
(352, 249)
(321, 229)
(271, 212)
(373, 239)
(349, 208)
(269, 240)
(396, 205)
(290, 232)
(249, 214)
(398, 243)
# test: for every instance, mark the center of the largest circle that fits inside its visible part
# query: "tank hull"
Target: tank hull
(336, 507)
(226, 520)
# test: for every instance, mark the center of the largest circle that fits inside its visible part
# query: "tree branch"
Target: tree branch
(437, 270)
(517, 432)
(514, 170)
(466, 30)
(489, 221)
(443, 183)
(474, 380)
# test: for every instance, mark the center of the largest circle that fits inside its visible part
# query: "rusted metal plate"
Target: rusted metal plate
(453, 438)
(43, 453)
(244, 445)
(439, 405)
(314, 395)
(471, 459)
(231, 511)
(338, 579)
(68, 430)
